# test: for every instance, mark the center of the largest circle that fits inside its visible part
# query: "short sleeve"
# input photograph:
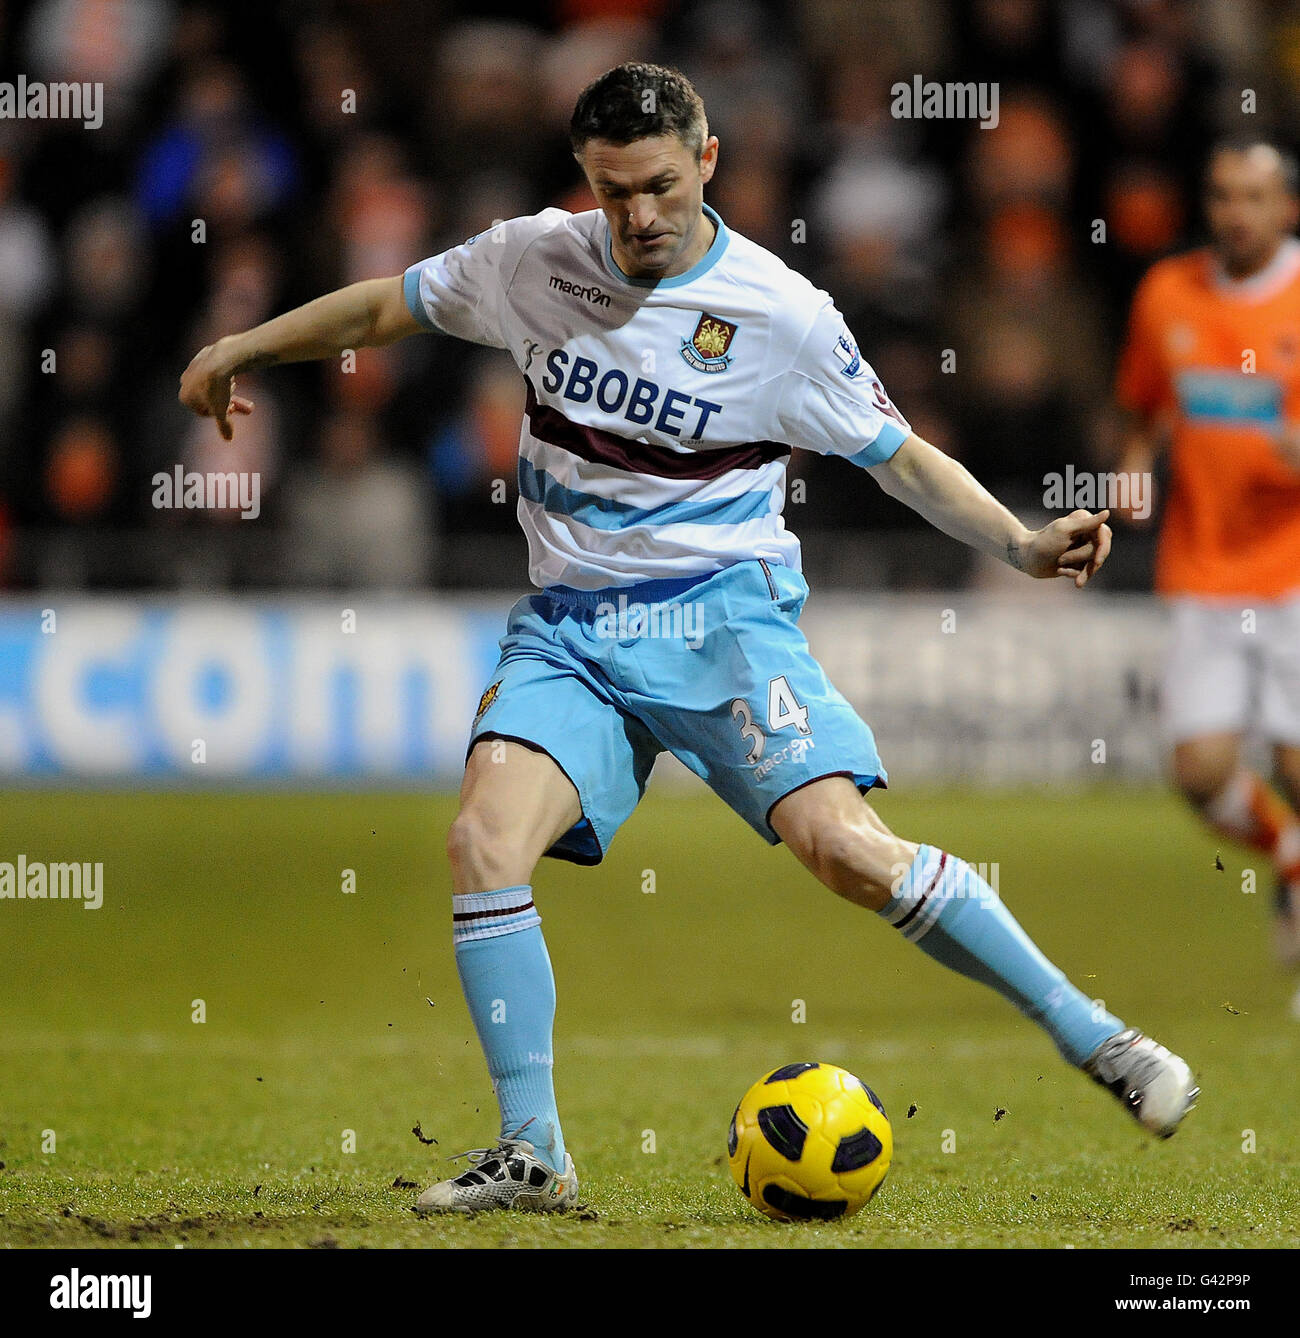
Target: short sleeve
(461, 291)
(832, 401)
(1141, 380)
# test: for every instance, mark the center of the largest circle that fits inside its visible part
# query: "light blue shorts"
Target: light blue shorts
(712, 669)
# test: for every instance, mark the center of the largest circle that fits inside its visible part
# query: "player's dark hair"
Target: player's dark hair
(1243, 142)
(636, 101)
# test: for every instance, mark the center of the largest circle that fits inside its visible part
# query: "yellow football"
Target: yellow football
(809, 1142)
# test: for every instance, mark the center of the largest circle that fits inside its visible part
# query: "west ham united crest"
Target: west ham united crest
(706, 349)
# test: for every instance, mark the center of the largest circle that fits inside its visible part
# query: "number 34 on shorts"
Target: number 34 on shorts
(783, 710)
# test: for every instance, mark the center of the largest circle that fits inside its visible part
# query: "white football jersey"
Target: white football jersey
(660, 414)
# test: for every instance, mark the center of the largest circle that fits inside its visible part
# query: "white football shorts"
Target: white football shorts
(1233, 666)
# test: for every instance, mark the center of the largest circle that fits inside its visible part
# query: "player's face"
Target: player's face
(651, 191)
(1248, 207)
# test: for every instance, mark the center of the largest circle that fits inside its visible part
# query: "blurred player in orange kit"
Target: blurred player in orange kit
(1211, 369)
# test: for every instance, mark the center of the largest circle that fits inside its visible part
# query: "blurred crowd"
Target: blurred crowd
(253, 156)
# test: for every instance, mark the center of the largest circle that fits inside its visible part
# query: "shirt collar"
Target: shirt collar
(1264, 283)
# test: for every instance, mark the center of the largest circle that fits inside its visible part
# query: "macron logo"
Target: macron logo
(95, 1291)
(594, 295)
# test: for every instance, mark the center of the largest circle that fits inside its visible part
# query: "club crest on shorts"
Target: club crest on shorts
(488, 697)
(706, 349)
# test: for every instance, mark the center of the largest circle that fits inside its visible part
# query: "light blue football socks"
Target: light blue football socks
(954, 916)
(505, 972)
(942, 905)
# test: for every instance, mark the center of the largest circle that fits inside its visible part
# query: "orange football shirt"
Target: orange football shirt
(1231, 521)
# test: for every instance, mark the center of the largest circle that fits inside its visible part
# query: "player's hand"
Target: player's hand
(208, 388)
(1075, 545)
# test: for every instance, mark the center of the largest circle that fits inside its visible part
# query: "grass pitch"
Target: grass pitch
(334, 1020)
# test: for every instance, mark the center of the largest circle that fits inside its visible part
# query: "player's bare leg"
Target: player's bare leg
(1203, 766)
(1241, 807)
(835, 834)
(515, 803)
(943, 906)
(1286, 771)
(1286, 764)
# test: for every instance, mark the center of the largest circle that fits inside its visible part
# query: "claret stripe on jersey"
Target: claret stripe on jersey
(603, 513)
(597, 446)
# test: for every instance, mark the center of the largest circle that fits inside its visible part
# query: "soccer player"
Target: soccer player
(1211, 369)
(669, 366)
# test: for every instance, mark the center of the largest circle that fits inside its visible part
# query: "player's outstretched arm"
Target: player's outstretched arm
(937, 487)
(362, 315)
